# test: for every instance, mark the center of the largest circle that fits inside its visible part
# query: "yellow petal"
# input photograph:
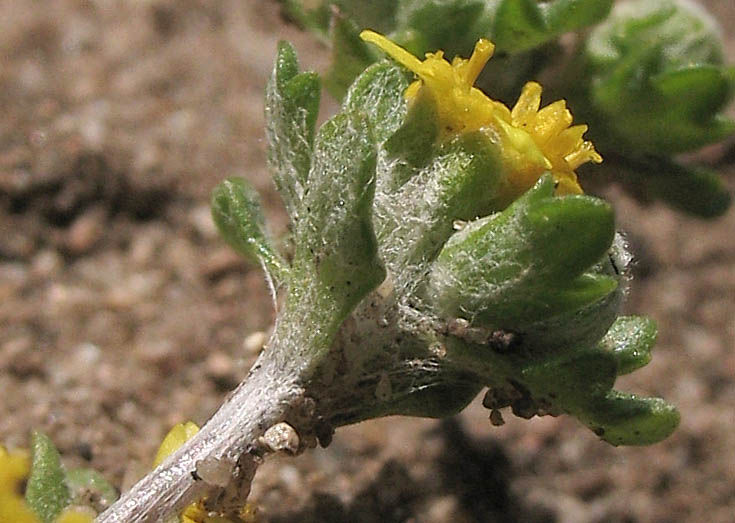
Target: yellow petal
(566, 183)
(472, 68)
(570, 139)
(552, 120)
(583, 154)
(398, 53)
(14, 469)
(176, 437)
(13, 508)
(527, 105)
(76, 515)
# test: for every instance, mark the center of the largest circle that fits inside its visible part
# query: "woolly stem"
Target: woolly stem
(266, 397)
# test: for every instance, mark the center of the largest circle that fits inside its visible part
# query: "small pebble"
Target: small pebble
(282, 437)
(46, 262)
(86, 231)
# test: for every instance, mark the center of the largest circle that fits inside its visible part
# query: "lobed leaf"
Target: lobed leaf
(451, 25)
(378, 15)
(570, 15)
(378, 93)
(699, 90)
(656, 78)
(626, 419)
(519, 25)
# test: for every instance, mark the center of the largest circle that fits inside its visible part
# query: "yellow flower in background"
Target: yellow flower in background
(14, 469)
(176, 437)
(532, 140)
(76, 515)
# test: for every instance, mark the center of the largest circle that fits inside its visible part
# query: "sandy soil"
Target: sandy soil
(122, 313)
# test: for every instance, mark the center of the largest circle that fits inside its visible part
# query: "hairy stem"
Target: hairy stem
(266, 397)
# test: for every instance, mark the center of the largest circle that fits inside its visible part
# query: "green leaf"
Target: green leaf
(459, 178)
(451, 25)
(291, 107)
(570, 234)
(585, 325)
(378, 15)
(580, 383)
(570, 380)
(350, 56)
(236, 212)
(656, 78)
(519, 25)
(626, 419)
(655, 113)
(335, 238)
(525, 264)
(378, 92)
(630, 339)
(569, 15)
(694, 190)
(315, 19)
(698, 90)
(438, 401)
(413, 142)
(584, 290)
(46, 493)
(682, 32)
(87, 486)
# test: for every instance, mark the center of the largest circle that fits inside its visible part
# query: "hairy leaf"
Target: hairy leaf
(291, 107)
(236, 212)
(46, 493)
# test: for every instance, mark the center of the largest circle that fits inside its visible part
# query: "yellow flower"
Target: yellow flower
(76, 515)
(532, 141)
(176, 437)
(195, 512)
(14, 469)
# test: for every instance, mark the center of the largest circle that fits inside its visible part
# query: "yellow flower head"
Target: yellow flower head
(532, 141)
